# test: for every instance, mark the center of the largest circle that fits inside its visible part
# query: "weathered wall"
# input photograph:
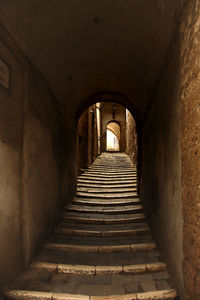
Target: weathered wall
(161, 172)
(29, 159)
(190, 116)
(131, 137)
(171, 167)
(41, 162)
(107, 116)
(83, 140)
(87, 138)
(10, 170)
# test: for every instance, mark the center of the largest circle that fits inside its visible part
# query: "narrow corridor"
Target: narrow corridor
(103, 248)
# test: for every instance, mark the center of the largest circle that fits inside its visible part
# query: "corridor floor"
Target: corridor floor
(103, 248)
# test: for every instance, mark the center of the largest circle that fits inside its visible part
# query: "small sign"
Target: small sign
(4, 74)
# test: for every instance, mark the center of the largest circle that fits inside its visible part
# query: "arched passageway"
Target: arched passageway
(48, 81)
(105, 217)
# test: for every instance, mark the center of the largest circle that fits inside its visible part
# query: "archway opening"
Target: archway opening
(105, 126)
(113, 136)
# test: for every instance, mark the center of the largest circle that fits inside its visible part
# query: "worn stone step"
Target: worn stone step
(102, 209)
(107, 177)
(102, 248)
(103, 182)
(107, 186)
(62, 238)
(103, 227)
(100, 258)
(122, 232)
(106, 195)
(106, 190)
(110, 202)
(96, 270)
(108, 180)
(110, 174)
(112, 168)
(103, 219)
(168, 294)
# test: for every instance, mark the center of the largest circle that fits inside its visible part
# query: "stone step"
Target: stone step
(103, 182)
(109, 180)
(106, 190)
(106, 195)
(110, 202)
(107, 177)
(103, 219)
(99, 258)
(110, 173)
(112, 168)
(102, 248)
(104, 173)
(63, 238)
(102, 233)
(102, 209)
(101, 226)
(107, 186)
(100, 270)
(168, 294)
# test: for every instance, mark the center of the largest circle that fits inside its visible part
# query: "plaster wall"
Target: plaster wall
(41, 163)
(10, 170)
(29, 160)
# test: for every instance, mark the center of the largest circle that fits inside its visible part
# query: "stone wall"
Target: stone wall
(131, 137)
(171, 167)
(161, 165)
(190, 117)
(30, 161)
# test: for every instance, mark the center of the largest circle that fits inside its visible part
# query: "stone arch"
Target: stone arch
(108, 96)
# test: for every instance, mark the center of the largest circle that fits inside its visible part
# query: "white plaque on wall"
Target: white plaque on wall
(4, 74)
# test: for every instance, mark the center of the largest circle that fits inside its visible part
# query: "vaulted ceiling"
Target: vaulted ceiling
(87, 46)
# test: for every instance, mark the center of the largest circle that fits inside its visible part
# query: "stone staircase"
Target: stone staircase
(103, 248)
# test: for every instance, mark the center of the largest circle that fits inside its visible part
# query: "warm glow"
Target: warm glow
(112, 141)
